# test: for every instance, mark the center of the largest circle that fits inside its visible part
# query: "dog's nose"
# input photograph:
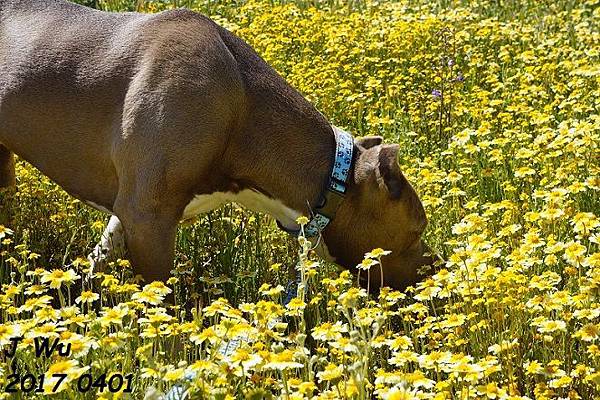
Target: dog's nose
(405, 268)
(430, 260)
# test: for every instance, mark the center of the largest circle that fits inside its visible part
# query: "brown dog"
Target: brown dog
(155, 118)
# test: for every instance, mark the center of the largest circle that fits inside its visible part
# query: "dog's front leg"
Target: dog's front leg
(150, 241)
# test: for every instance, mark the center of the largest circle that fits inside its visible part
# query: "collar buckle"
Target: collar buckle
(332, 200)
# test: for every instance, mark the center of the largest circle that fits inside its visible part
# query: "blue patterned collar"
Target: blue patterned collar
(333, 195)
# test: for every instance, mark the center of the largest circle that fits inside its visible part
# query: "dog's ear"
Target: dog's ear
(388, 171)
(369, 141)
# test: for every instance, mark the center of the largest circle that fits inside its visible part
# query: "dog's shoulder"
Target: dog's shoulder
(179, 19)
(176, 30)
(180, 14)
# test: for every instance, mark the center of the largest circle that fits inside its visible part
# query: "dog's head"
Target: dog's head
(381, 210)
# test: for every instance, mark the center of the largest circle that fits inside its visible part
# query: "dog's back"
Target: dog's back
(60, 86)
(74, 81)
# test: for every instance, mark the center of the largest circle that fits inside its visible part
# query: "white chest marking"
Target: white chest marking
(248, 198)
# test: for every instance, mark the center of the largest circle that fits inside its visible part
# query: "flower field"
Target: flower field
(495, 106)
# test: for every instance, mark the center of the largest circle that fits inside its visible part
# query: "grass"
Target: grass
(495, 106)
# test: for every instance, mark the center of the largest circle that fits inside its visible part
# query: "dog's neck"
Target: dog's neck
(284, 147)
(294, 163)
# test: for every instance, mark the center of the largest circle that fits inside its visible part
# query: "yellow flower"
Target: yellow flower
(113, 315)
(350, 298)
(563, 381)
(434, 358)
(550, 326)
(574, 253)
(157, 287)
(58, 276)
(63, 367)
(275, 267)
(295, 307)
(4, 231)
(206, 334)
(377, 253)
(328, 331)
(491, 390)
(149, 373)
(367, 263)
(283, 360)
(307, 388)
(330, 373)
(35, 290)
(453, 320)
(47, 330)
(400, 343)
(9, 331)
(399, 393)
(243, 357)
(588, 333)
(272, 291)
(11, 290)
(147, 296)
(302, 220)
(87, 297)
(68, 367)
(107, 280)
(174, 375)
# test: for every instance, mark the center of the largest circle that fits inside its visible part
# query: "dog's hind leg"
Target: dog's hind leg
(7, 168)
(111, 245)
(7, 181)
